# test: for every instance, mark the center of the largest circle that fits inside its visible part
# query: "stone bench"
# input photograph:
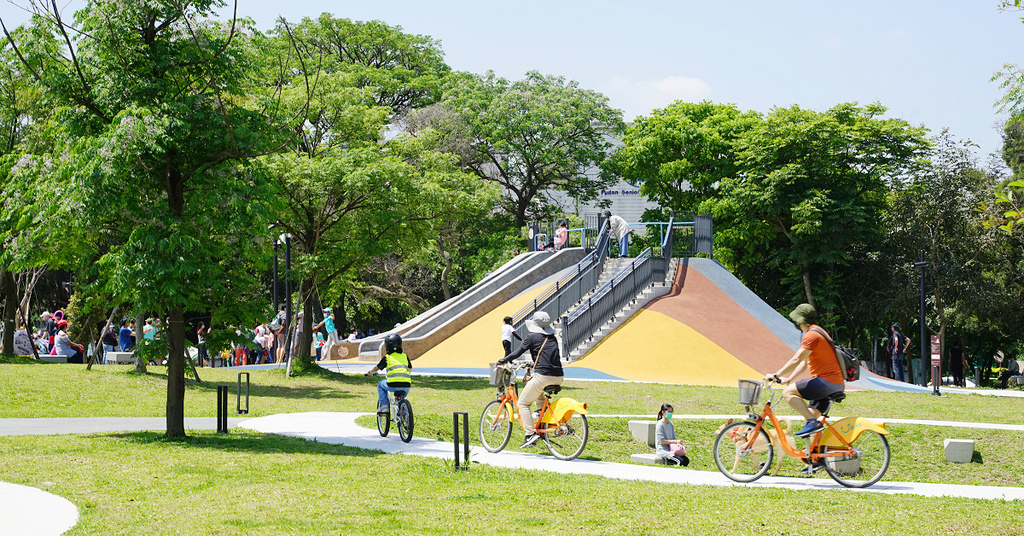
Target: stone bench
(121, 358)
(958, 450)
(51, 358)
(644, 431)
(650, 459)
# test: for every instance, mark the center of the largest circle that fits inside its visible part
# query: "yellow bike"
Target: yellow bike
(561, 422)
(853, 451)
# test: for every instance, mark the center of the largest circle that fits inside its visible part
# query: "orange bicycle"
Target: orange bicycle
(853, 451)
(561, 422)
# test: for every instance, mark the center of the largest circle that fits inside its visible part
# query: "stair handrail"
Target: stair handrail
(562, 294)
(663, 262)
(606, 301)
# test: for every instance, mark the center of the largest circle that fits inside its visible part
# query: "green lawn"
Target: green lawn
(250, 483)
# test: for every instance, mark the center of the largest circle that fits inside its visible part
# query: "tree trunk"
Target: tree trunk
(10, 292)
(140, 362)
(176, 374)
(99, 344)
(301, 360)
(805, 274)
(448, 263)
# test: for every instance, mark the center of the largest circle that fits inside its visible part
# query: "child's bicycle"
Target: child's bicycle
(400, 411)
(561, 422)
(853, 451)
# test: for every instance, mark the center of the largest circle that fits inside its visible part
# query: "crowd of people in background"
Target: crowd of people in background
(262, 344)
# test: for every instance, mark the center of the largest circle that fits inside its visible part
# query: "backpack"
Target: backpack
(847, 359)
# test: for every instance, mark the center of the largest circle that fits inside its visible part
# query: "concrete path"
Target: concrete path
(26, 510)
(340, 428)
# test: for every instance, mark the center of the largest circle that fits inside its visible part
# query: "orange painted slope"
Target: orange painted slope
(698, 303)
(652, 346)
(696, 334)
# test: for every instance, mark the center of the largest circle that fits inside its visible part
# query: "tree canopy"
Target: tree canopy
(529, 136)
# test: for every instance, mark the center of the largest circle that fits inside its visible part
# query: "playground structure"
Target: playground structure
(688, 320)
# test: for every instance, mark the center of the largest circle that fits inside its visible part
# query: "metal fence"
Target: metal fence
(560, 296)
(580, 324)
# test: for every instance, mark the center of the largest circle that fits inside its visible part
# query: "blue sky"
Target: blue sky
(929, 62)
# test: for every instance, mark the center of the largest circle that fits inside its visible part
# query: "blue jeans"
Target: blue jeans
(107, 348)
(382, 391)
(897, 367)
(623, 246)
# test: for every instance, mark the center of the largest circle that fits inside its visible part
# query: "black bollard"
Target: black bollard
(238, 394)
(222, 409)
(465, 438)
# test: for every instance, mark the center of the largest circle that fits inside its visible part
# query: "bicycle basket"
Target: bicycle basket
(750, 392)
(499, 377)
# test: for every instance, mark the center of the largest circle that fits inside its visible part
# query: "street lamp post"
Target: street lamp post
(287, 239)
(925, 347)
(275, 277)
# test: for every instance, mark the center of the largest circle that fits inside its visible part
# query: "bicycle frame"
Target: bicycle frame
(552, 413)
(843, 434)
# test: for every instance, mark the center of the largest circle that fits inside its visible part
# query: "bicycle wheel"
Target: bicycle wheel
(568, 440)
(737, 463)
(867, 467)
(404, 420)
(383, 423)
(496, 426)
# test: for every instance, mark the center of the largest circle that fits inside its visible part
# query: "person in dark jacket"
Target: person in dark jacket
(547, 369)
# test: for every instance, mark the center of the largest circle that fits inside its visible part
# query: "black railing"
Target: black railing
(661, 263)
(580, 324)
(560, 296)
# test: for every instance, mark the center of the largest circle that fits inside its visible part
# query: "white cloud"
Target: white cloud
(639, 97)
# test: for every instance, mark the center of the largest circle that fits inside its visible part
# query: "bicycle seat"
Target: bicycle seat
(400, 394)
(552, 389)
(837, 397)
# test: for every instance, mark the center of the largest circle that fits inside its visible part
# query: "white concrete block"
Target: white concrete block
(643, 431)
(958, 450)
(120, 358)
(652, 459)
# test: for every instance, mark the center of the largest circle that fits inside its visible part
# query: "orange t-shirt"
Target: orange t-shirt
(822, 362)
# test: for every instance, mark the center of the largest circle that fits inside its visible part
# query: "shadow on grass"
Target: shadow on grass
(242, 441)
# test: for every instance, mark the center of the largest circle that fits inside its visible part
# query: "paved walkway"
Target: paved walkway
(340, 428)
(26, 510)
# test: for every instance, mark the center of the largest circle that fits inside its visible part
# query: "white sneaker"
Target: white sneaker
(530, 441)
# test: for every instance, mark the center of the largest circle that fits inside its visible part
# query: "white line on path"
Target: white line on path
(341, 428)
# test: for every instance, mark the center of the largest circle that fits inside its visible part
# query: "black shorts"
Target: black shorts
(817, 391)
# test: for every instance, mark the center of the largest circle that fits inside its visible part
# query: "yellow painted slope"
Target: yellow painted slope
(651, 346)
(479, 343)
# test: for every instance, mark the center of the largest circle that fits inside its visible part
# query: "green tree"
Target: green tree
(351, 199)
(153, 110)
(936, 212)
(679, 154)
(809, 195)
(530, 136)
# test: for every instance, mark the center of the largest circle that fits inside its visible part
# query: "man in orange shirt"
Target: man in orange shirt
(816, 354)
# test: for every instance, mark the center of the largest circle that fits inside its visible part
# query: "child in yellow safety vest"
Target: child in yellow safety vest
(398, 370)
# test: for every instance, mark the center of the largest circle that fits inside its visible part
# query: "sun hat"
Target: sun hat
(804, 314)
(328, 310)
(540, 323)
(62, 324)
